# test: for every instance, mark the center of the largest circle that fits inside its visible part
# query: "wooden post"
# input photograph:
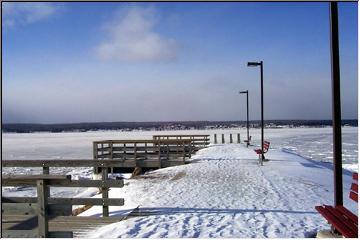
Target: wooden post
(190, 150)
(222, 138)
(111, 154)
(42, 198)
(111, 150)
(95, 152)
(105, 191)
(46, 171)
(159, 154)
(167, 151)
(102, 150)
(146, 156)
(238, 138)
(231, 140)
(184, 151)
(95, 156)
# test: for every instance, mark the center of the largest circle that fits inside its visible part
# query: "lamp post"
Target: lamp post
(255, 64)
(247, 115)
(336, 104)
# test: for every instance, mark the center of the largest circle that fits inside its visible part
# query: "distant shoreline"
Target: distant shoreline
(158, 126)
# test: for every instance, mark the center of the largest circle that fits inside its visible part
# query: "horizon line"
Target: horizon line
(172, 121)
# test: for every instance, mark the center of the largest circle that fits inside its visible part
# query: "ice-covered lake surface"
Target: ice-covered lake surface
(313, 143)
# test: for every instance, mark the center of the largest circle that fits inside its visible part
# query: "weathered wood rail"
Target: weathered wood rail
(198, 141)
(143, 153)
(32, 216)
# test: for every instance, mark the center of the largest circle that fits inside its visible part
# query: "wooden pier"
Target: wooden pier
(47, 216)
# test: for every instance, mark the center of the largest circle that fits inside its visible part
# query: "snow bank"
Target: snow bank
(225, 193)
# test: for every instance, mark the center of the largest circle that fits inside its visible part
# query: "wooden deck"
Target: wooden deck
(47, 216)
(19, 225)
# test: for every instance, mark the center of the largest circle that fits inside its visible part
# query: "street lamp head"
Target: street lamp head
(253, 64)
(244, 91)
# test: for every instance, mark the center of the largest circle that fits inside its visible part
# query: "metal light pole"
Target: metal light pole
(247, 115)
(255, 64)
(336, 104)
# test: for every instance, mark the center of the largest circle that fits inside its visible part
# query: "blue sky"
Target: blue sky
(86, 62)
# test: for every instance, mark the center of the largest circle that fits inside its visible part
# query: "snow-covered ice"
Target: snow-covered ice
(222, 193)
(225, 193)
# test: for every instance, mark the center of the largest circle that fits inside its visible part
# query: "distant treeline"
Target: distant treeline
(128, 126)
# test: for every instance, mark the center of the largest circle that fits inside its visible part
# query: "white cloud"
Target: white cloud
(133, 38)
(23, 13)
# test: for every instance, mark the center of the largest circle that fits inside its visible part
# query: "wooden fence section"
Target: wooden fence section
(29, 216)
(143, 153)
(197, 141)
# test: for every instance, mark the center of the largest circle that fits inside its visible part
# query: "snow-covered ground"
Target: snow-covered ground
(225, 193)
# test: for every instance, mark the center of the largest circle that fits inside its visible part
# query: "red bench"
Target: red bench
(266, 149)
(344, 221)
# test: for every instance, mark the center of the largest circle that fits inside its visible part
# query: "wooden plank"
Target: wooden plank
(66, 219)
(34, 234)
(55, 202)
(88, 201)
(19, 233)
(31, 208)
(182, 135)
(36, 177)
(115, 183)
(60, 234)
(76, 224)
(62, 163)
(146, 149)
(42, 196)
(139, 141)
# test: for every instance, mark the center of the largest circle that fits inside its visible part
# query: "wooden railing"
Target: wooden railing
(44, 206)
(140, 152)
(197, 141)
